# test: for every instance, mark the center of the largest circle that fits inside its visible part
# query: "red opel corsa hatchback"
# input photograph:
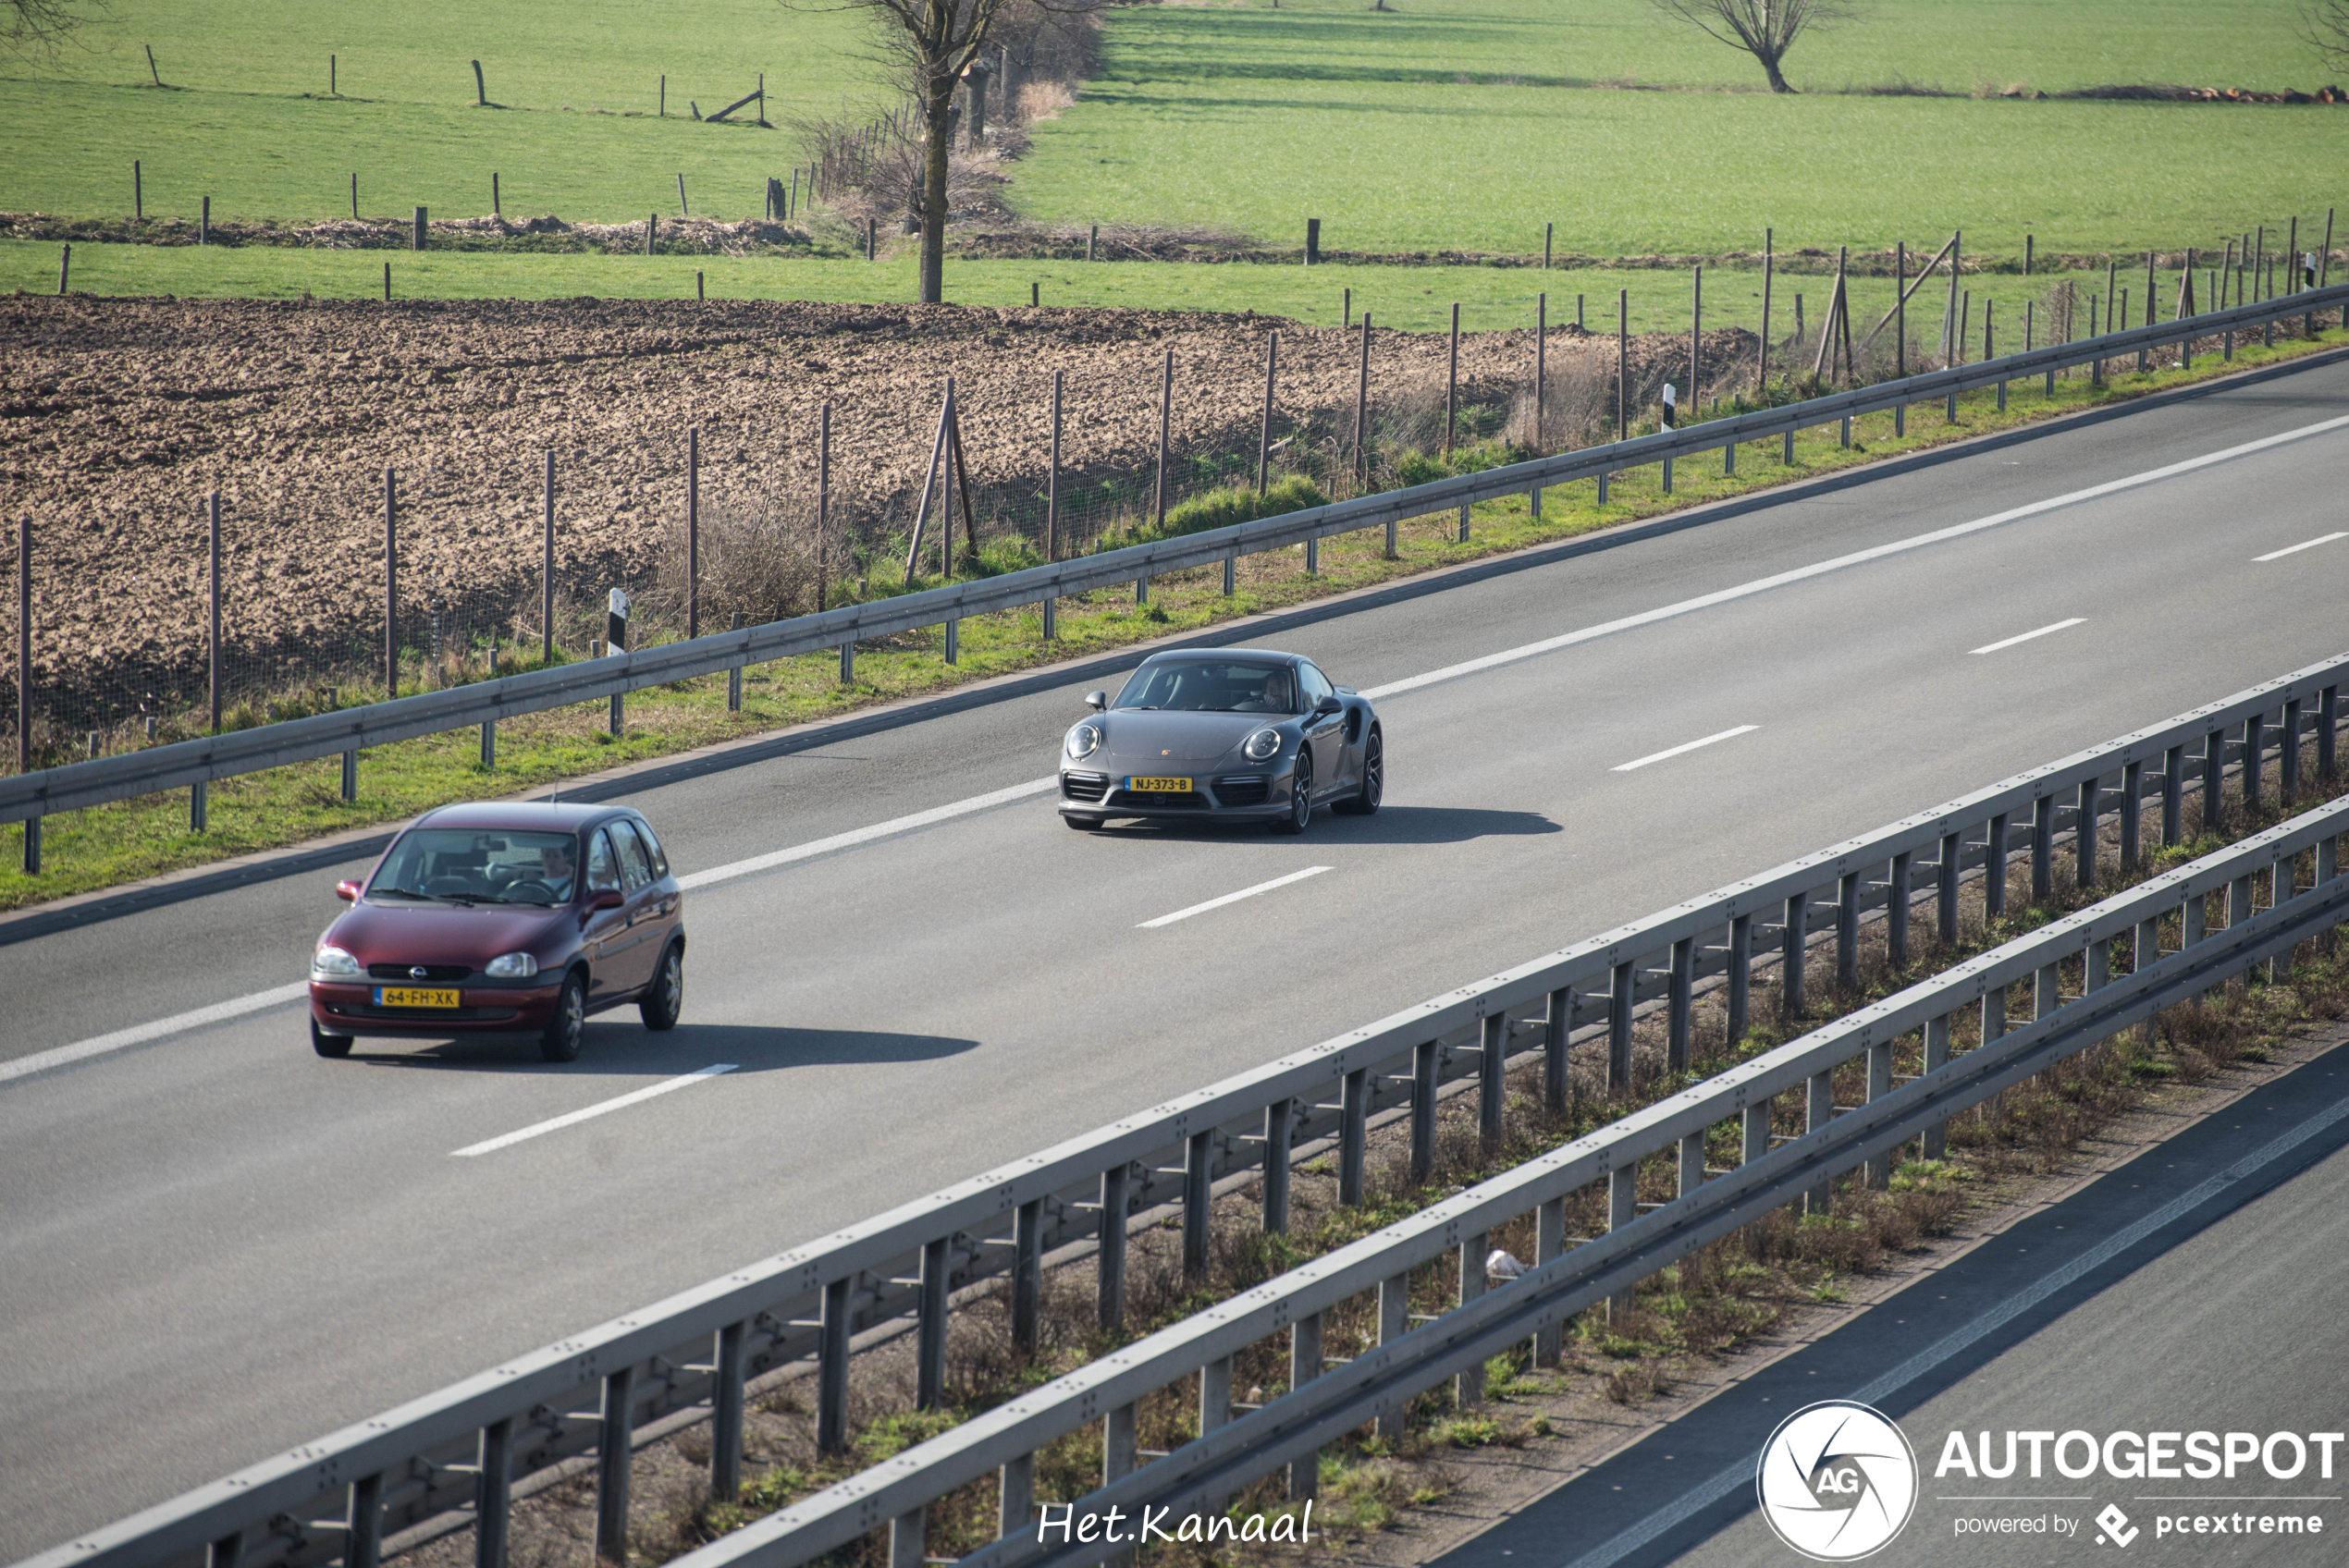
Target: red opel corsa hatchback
(513, 919)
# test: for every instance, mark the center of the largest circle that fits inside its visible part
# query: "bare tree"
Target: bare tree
(932, 44)
(2324, 26)
(1765, 28)
(37, 27)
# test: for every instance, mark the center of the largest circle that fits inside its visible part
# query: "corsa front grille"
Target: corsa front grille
(1084, 786)
(406, 971)
(1244, 790)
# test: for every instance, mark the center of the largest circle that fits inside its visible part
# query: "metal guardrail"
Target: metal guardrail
(1234, 1450)
(190, 763)
(693, 1357)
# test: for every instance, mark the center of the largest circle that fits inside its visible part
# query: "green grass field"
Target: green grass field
(1452, 124)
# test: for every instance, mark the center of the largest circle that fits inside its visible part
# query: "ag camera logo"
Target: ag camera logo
(1836, 1481)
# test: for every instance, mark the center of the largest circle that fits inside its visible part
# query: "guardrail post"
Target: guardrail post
(832, 1370)
(1198, 1192)
(2254, 763)
(492, 1500)
(848, 661)
(735, 672)
(2043, 816)
(1879, 1167)
(1215, 1394)
(1945, 886)
(1936, 1142)
(612, 1454)
(196, 805)
(1847, 427)
(2214, 776)
(2133, 790)
(1280, 1119)
(1231, 562)
(1622, 1208)
(2096, 970)
(1847, 930)
(1354, 1135)
(2239, 911)
(1994, 867)
(1304, 1366)
(1678, 1009)
(1793, 937)
(2327, 722)
(1027, 1274)
(1426, 1058)
(363, 1547)
(908, 1535)
(1491, 1064)
(488, 744)
(1994, 1014)
(351, 776)
(1618, 1027)
(1110, 1259)
(1667, 476)
(1786, 452)
(726, 1415)
(2290, 743)
(1740, 977)
(929, 1351)
(1468, 1389)
(1394, 1322)
(1896, 913)
(1692, 1171)
(1730, 459)
(2328, 859)
(33, 846)
(1015, 1494)
(1818, 1109)
(1557, 1031)
(2046, 993)
(2087, 830)
(2148, 955)
(2173, 793)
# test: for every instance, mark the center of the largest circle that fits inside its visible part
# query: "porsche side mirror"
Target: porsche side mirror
(1328, 704)
(1096, 701)
(346, 891)
(605, 898)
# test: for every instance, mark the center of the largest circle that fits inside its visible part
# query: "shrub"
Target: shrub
(1222, 509)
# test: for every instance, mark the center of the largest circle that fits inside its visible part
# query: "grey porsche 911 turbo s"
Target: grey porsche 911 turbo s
(1236, 734)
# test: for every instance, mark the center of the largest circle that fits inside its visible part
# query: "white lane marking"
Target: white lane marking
(1857, 558)
(2295, 549)
(1685, 746)
(138, 1035)
(1233, 897)
(602, 1107)
(1691, 1504)
(2058, 626)
(867, 835)
(1449, 672)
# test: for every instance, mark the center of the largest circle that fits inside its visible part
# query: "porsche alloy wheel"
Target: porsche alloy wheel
(1366, 801)
(1300, 797)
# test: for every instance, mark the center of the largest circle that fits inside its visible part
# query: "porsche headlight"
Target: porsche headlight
(1084, 741)
(333, 963)
(1263, 746)
(511, 966)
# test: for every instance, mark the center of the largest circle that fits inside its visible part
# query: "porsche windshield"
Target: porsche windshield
(467, 865)
(1184, 686)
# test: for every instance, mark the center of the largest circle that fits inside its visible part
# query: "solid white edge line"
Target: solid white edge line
(102, 1044)
(2295, 549)
(1697, 1499)
(123, 1039)
(1234, 897)
(1857, 558)
(1685, 746)
(2058, 626)
(600, 1108)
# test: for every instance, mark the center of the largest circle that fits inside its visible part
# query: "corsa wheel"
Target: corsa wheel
(666, 997)
(1300, 797)
(332, 1046)
(569, 1027)
(1366, 801)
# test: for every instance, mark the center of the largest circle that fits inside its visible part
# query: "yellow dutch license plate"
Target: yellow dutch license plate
(411, 996)
(1160, 785)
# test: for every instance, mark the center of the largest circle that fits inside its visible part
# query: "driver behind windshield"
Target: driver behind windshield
(554, 870)
(1212, 688)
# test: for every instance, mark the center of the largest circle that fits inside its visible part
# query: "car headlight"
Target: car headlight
(1084, 741)
(333, 963)
(511, 966)
(1263, 746)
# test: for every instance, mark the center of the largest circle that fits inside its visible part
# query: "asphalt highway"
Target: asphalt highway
(218, 1245)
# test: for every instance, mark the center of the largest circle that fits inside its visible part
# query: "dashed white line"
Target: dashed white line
(1684, 747)
(2011, 641)
(2295, 549)
(895, 825)
(1232, 897)
(602, 1107)
(138, 1035)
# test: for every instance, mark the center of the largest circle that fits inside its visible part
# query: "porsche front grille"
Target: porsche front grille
(1244, 790)
(1084, 786)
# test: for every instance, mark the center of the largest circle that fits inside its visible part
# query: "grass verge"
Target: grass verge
(105, 846)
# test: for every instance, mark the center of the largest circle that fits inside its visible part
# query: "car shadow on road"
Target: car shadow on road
(1393, 825)
(619, 1046)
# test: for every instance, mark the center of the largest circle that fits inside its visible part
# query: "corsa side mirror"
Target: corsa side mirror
(346, 891)
(1096, 701)
(605, 898)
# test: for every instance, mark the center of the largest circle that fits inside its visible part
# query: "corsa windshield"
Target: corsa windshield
(470, 866)
(1188, 686)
